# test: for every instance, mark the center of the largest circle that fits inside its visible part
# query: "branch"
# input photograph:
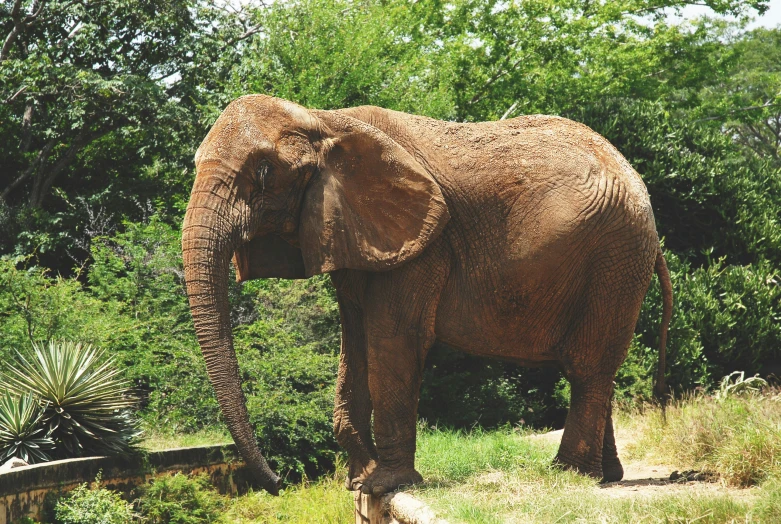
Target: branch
(19, 25)
(78, 26)
(762, 140)
(248, 33)
(43, 154)
(9, 40)
(509, 111)
(13, 97)
(29, 18)
(82, 139)
(27, 120)
(499, 74)
(64, 7)
(775, 132)
(769, 103)
(15, 9)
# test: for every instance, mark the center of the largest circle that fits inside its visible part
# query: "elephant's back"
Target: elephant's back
(532, 148)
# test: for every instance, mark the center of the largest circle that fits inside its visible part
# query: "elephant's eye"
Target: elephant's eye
(260, 179)
(261, 175)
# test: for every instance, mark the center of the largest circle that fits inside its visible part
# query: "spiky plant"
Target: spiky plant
(22, 429)
(86, 405)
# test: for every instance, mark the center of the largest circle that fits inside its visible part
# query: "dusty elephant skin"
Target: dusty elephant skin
(530, 239)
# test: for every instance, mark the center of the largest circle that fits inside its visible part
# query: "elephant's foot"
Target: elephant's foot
(612, 470)
(384, 480)
(359, 470)
(592, 470)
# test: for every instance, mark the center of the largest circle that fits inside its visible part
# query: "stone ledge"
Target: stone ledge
(23, 489)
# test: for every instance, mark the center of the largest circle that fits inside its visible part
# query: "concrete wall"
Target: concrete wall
(31, 490)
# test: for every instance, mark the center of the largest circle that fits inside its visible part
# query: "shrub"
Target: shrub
(139, 272)
(288, 358)
(179, 499)
(724, 318)
(462, 391)
(34, 305)
(21, 429)
(85, 402)
(94, 506)
(707, 193)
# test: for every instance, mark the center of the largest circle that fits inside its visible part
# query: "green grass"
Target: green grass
(502, 476)
(496, 477)
(155, 440)
(325, 501)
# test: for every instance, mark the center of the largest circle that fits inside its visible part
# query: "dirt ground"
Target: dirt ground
(648, 479)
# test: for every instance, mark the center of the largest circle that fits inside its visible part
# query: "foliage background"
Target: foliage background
(103, 105)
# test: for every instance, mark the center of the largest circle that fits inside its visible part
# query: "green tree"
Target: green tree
(100, 114)
(746, 100)
(75, 72)
(336, 53)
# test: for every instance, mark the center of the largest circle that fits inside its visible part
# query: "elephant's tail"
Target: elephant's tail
(667, 311)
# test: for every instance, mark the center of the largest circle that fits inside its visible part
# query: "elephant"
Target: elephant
(530, 240)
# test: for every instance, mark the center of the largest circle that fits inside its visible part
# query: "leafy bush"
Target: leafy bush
(94, 506)
(22, 429)
(179, 499)
(725, 318)
(288, 358)
(710, 198)
(85, 402)
(463, 391)
(34, 305)
(139, 272)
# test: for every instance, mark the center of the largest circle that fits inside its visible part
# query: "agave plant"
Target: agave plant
(85, 402)
(736, 384)
(22, 429)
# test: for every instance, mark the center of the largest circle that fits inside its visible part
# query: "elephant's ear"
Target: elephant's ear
(371, 207)
(268, 256)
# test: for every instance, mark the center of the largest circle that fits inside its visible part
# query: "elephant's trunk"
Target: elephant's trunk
(208, 239)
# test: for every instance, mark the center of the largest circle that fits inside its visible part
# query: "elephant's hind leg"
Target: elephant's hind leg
(596, 347)
(581, 446)
(612, 470)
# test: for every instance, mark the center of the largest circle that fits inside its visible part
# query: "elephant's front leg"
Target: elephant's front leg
(353, 405)
(400, 313)
(395, 370)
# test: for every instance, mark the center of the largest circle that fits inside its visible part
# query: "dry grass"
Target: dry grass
(736, 437)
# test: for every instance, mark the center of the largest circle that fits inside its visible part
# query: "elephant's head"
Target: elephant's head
(286, 192)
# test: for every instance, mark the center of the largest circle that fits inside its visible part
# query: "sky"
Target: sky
(771, 18)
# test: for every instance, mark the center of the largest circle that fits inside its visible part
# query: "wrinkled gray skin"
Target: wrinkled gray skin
(531, 240)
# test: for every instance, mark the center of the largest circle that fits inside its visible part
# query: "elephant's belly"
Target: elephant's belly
(518, 315)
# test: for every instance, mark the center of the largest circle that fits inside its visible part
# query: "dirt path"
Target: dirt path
(643, 478)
